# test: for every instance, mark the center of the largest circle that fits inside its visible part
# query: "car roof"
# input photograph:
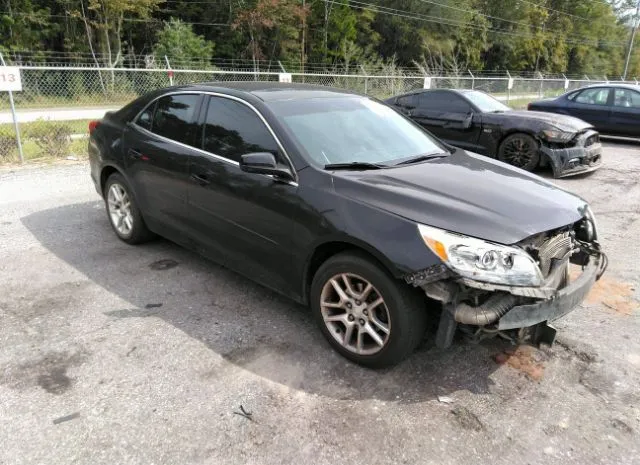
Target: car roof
(421, 91)
(618, 85)
(271, 91)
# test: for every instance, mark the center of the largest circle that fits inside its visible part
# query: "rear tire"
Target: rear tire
(123, 212)
(520, 150)
(386, 317)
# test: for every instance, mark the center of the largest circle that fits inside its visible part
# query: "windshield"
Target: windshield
(353, 130)
(485, 103)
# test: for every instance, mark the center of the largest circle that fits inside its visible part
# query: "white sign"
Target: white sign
(510, 84)
(427, 83)
(284, 77)
(10, 79)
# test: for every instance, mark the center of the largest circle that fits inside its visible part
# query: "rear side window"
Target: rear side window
(626, 98)
(173, 117)
(443, 101)
(598, 96)
(232, 129)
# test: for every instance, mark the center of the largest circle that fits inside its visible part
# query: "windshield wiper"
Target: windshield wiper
(355, 165)
(420, 158)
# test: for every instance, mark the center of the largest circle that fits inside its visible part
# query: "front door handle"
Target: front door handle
(200, 179)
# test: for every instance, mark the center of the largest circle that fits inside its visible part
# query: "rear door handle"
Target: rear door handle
(200, 179)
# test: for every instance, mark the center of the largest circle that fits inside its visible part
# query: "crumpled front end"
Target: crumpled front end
(582, 154)
(482, 308)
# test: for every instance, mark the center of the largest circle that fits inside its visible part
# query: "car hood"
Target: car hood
(562, 122)
(465, 193)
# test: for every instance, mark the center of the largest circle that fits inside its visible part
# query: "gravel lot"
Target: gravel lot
(108, 358)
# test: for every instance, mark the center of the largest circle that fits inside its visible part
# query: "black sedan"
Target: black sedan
(339, 202)
(613, 109)
(475, 121)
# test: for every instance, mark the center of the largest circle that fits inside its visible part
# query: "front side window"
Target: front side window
(145, 120)
(593, 96)
(443, 101)
(353, 129)
(626, 98)
(174, 117)
(232, 129)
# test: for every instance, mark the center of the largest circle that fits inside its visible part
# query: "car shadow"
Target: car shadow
(252, 327)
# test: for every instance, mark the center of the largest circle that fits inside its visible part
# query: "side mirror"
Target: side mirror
(468, 121)
(264, 163)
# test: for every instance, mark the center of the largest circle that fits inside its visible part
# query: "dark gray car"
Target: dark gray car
(475, 121)
(340, 203)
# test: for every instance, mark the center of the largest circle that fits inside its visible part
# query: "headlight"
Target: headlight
(555, 135)
(481, 260)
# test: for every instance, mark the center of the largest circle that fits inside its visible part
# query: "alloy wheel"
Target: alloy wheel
(518, 152)
(119, 206)
(355, 314)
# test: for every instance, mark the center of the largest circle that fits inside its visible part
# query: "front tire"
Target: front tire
(366, 315)
(520, 150)
(123, 212)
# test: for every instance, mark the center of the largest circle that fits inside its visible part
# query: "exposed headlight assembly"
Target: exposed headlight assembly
(481, 260)
(558, 136)
(590, 217)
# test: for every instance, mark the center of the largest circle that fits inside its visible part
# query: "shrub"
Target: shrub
(52, 138)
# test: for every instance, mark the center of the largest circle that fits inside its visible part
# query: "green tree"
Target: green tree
(104, 20)
(178, 42)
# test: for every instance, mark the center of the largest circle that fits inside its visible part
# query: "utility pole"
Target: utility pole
(633, 35)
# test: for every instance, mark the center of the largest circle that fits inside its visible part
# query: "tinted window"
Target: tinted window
(145, 119)
(174, 117)
(407, 101)
(233, 129)
(446, 101)
(626, 98)
(598, 96)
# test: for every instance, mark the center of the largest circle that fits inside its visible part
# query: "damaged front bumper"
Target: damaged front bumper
(563, 302)
(584, 156)
(501, 308)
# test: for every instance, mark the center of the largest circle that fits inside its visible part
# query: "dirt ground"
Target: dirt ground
(111, 354)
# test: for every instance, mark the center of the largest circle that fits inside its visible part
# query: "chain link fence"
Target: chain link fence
(56, 104)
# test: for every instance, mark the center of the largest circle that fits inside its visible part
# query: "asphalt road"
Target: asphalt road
(107, 357)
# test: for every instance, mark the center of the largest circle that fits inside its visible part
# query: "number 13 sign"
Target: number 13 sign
(10, 79)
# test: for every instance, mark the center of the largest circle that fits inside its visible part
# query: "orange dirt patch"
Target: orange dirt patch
(611, 294)
(525, 359)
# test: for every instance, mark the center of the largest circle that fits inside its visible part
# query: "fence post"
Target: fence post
(170, 71)
(541, 91)
(15, 117)
(366, 79)
(473, 79)
(508, 86)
